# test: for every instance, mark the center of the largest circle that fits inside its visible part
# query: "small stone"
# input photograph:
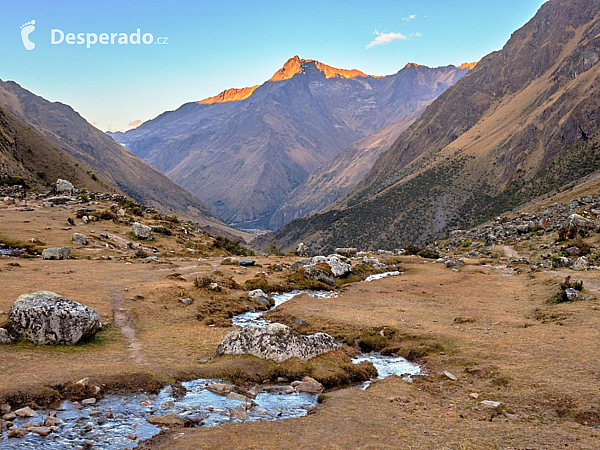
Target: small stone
(25, 412)
(220, 388)
(300, 323)
(450, 376)
(132, 437)
(490, 404)
(4, 336)
(237, 397)
(571, 294)
(186, 301)
(9, 416)
(474, 395)
(309, 385)
(88, 401)
(5, 408)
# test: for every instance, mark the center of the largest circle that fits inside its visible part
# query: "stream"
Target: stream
(118, 421)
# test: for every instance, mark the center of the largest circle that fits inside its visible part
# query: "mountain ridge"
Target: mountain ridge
(243, 158)
(523, 122)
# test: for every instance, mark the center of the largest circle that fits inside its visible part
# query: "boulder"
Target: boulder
(571, 294)
(348, 252)
(339, 267)
(316, 274)
(56, 253)
(245, 262)
(259, 296)
(142, 232)
(302, 250)
(580, 264)
(47, 318)
(309, 385)
(576, 225)
(80, 239)
(64, 187)
(230, 260)
(168, 420)
(4, 337)
(275, 341)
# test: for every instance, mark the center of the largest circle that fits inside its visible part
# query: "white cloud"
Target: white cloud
(409, 18)
(417, 34)
(384, 38)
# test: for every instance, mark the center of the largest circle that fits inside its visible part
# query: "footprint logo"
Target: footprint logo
(26, 30)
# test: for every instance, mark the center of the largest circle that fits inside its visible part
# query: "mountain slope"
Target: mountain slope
(68, 130)
(523, 123)
(26, 154)
(243, 151)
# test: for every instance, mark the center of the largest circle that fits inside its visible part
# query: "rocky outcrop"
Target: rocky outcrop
(47, 318)
(142, 232)
(277, 342)
(56, 253)
(349, 252)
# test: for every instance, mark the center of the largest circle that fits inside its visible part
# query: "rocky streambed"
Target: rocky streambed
(122, 421)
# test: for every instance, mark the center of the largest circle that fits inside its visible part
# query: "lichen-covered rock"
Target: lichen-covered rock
(275, 341)
(64, 187)
(80, 239)
(56, 253)
(142, 231)
(259, 296)
(47, 318)
(320, 275)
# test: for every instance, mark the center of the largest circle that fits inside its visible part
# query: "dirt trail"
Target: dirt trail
(122, 319)
(510, 252)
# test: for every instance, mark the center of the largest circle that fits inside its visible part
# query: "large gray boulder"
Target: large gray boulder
(47, 318)
(56, 253)
(142, 231)
(275, 341)
(64, 187)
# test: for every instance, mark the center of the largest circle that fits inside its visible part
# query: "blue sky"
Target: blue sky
(215, 45)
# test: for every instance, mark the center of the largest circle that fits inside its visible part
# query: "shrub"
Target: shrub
(230, 246)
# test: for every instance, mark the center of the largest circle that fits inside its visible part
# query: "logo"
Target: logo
(26, 30)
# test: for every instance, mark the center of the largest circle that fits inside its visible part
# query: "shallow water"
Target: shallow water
(379, 276)
(119, 421)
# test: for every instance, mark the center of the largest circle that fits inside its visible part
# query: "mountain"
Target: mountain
(26, 156)
(244, 151)
(92, 148)
(523, 123)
